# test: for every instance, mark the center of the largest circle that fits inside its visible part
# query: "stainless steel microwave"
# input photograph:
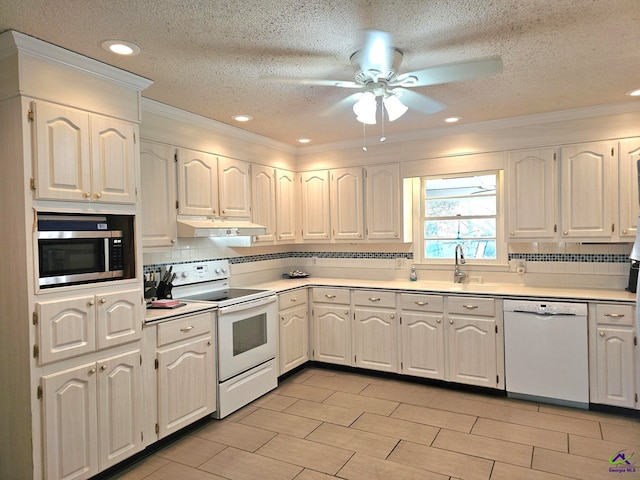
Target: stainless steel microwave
(80, 249)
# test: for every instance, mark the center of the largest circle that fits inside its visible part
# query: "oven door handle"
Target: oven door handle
(247, 305)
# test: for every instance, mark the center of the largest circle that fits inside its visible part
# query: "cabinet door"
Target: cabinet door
(70, 414)
(263, 195)
(286, 201)
(294, 338)
(376, 339)
(332, 334)
(316, 216)
(120, 408)
(63, 165)
(66, 328)
(472, 351)
(531, 195)
(158, 184)
(347, 210)
(614, 353)
(423, 345)
(119, 317)
(234, 183)
(629, 152)
(587, 173)
(197, 183)
(186, 384)
(113, 160)
(384, 211)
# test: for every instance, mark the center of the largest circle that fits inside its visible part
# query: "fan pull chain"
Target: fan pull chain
(364, 137)
(382, 138)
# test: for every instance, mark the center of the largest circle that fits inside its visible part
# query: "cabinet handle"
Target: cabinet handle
(294, 299)
(186, 329)
(601, 333)
(470, 307)
(329, 296)
(103, 300)
(614, 315)
(103, 367)
(374, 299)
(97, 195)
(421, 304)
(92, 371)
(91, 303)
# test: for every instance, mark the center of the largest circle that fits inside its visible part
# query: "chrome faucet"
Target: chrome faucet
(458, 276)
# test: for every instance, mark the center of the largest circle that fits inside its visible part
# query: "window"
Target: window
(460, 209)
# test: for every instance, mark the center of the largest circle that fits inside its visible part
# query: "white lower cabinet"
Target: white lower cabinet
(612, 370)
(375, 330)
(472, 343)
(422, 330)
(331, 316)
(92, 416)
(186, 367)
(293, 347)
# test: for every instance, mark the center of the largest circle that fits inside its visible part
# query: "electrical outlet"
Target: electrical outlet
(401, 262)
(314, 260)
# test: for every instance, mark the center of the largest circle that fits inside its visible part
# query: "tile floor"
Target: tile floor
(322, 424)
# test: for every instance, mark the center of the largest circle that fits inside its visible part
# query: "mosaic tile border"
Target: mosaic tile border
(529, 257)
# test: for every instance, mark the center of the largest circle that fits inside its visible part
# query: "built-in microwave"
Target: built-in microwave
(78, 249)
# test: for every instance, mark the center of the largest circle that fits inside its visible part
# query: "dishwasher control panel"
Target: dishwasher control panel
(545, 308)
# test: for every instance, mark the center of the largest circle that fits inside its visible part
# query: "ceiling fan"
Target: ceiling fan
(377, 76)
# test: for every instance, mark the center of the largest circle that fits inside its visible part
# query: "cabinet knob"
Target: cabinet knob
(439, 320)
(224, 211)
(91, 303)
(86, 195)
(565, 233)
(282, 317)
(103, 367)
(624, 232)
(173, 240)
(601, 333)
(346, 312)
(92, 371)
(512, 233)
(392, 316)
(103, 300)
(97, 195)
(451, 322)
(395, 235)
(209, 343)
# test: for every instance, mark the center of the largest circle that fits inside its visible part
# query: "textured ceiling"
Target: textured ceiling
(210, 57)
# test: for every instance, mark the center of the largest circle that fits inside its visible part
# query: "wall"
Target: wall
(425, 152)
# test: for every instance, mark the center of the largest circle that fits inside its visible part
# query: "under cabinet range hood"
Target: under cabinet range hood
(218, 227)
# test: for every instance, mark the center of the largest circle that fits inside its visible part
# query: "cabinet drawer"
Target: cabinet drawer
(422, 303)
(374, 298)
(484, 307)
(331, 295)
(611, 314)
(292, 299)
(183, 328)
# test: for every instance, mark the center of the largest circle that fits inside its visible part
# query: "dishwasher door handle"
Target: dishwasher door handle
(546, 314)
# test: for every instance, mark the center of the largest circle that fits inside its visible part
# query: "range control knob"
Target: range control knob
(218, 271)
(185, 274)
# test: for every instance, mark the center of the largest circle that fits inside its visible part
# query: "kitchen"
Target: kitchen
(582, 267)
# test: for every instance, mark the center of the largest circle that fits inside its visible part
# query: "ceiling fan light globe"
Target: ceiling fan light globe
(394, 107)
(365, 108)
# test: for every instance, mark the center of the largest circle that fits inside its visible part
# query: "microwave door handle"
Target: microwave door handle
(247, 305)
(107, 267)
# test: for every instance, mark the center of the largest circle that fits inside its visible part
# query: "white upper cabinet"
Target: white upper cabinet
(531, 194)
(286, 206)
(82, 157)
(197, 183)
(383, 208)
(263, 195)
(587, 190)
(316, 216)
(158, 193)
(234, 184)
(347, 210)
(629, 152)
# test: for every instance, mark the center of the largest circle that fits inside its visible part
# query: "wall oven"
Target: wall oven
(246, 332)
(78, 249)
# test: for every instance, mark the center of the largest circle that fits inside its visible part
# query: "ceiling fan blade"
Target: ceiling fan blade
(314, 81)
(341, 105)
(377, 52)
(453, 72)
(417, 101)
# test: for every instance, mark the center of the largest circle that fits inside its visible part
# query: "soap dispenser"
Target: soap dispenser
(413, 276)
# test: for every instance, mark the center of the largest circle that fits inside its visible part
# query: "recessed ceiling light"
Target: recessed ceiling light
(242, 118)
(121, 47)
(304, 140)
(634, 93)
(452, 119)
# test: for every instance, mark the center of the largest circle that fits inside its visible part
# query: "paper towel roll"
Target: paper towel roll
(635, 251)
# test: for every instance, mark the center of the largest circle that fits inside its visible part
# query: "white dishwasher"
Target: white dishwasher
(546, 352)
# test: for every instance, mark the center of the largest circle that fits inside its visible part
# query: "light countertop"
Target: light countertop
(484, 289)
(159, 314)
